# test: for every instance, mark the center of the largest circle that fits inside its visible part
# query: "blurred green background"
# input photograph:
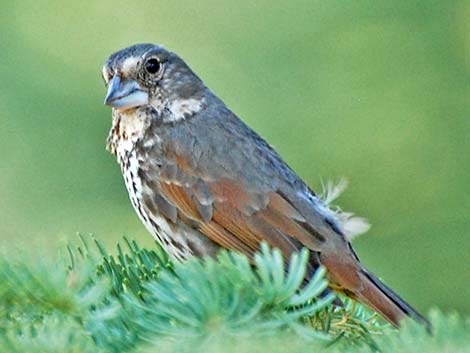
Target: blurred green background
(377, 91)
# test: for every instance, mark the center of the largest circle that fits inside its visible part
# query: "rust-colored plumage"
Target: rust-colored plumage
(201, 180)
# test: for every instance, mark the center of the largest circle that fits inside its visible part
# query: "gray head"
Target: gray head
(149, 75)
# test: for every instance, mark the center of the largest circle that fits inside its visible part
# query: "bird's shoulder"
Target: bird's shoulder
(216, 143)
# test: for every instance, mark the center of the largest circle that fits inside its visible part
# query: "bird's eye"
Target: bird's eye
(152, 66)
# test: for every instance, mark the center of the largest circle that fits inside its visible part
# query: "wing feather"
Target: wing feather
(228, 212)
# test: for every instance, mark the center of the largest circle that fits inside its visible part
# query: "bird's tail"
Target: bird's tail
(347, 275)
(384, 300)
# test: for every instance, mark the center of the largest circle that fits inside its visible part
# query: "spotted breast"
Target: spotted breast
(179, 239)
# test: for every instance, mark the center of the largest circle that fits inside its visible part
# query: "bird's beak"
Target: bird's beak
(125, 95)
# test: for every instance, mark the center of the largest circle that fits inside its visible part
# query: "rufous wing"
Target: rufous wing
(230, 213)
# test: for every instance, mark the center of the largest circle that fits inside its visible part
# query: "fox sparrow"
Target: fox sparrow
(201, 180)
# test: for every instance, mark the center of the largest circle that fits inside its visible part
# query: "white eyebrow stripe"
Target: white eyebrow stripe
(129, 64)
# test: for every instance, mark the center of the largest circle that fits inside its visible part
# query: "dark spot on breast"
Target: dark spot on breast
(155, 225)
(177, 245)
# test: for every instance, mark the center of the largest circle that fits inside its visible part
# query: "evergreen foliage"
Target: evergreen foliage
(139, 301)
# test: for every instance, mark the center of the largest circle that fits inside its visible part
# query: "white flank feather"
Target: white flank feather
(331, 191)
(351, 225)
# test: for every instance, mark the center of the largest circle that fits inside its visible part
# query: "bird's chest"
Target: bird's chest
(127, 132)
(134, 151)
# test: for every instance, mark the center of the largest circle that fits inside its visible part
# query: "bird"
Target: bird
(201, 180)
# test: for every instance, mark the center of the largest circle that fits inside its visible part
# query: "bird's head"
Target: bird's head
(149, 75)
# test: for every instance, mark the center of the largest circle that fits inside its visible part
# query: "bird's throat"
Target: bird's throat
(127, 128)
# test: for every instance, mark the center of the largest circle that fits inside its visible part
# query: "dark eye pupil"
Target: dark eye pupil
(152, 66)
